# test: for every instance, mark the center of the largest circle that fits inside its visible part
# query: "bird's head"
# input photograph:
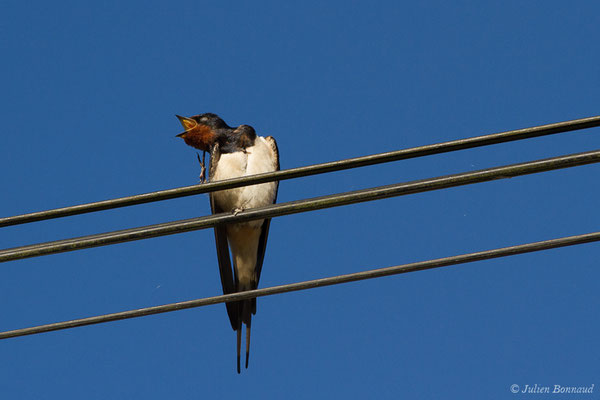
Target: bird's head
(201, 130)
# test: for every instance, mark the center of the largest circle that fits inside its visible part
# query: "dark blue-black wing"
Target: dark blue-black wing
(264, 234)
(225, 270)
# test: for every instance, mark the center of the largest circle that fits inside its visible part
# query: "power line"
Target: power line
(334, 280)
(298, 206)
(414, 152)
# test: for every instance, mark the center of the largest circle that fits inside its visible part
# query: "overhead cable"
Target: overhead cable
(334, 280)
(404, 154)
(298, 206)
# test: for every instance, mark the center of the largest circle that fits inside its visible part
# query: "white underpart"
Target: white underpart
(243, 237)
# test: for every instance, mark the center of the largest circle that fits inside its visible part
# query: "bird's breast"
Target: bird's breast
(256, 159)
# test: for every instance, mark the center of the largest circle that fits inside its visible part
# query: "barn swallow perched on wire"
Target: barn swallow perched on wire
(236, 152)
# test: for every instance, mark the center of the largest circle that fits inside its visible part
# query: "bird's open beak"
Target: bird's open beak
(187, 123)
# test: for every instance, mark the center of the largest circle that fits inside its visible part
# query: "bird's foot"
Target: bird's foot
(202, 167)
(237, 211)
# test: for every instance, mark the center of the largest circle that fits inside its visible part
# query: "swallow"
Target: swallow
(236, 152)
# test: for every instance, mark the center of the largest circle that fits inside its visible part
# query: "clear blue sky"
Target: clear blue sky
(89, 93)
